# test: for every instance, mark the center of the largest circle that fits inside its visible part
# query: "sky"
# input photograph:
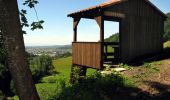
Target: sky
(58, 28)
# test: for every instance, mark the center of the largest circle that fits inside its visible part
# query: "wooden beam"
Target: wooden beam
(75, 24)
(114, 14)
(100, 22)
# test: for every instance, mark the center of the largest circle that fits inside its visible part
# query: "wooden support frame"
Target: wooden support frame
(75, 24)
(100, 22)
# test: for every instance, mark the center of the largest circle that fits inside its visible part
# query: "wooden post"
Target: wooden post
(72, 78)
(100, 22)
(83, 71)
(75, 24)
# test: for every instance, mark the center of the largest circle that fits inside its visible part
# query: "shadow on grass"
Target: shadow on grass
(163, 89)
(165, 54)
(110, 87)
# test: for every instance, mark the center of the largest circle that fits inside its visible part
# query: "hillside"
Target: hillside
(56, 50)
(167, 28)
(113, 38)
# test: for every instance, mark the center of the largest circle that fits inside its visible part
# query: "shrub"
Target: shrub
(50, 91)
(167, 44)
(95, 87)
(41, 66)
(1, 96)
(49, 79)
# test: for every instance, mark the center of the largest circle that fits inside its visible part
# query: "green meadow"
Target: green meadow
(50, 86)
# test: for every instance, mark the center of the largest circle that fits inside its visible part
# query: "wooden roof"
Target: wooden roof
(103, 5)
(111, 3)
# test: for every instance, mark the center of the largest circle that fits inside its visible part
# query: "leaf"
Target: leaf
(30, 3)
(37, 25)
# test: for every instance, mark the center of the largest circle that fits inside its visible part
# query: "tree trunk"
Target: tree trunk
(13, 38)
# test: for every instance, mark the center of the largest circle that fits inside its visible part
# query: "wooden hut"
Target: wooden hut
(141, 28)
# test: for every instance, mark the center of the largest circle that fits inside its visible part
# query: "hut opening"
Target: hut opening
(141, 28)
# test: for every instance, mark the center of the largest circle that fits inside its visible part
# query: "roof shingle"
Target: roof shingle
(113, 2)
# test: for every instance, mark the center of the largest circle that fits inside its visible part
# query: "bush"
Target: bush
(113, 38)
(41, 66)
(167, 29)
(50, 91)
(96, 87)
(49, 79)
(1, 96)
(167, 44)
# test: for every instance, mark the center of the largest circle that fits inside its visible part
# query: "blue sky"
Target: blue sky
(58, 27)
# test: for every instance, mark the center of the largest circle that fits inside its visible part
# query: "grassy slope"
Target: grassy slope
(63, 66)
(167, 44)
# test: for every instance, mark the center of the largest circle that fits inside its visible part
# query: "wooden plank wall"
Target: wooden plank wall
(87, 54)
(141, 29)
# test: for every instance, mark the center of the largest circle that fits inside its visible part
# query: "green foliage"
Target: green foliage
(109, 49)
(1, 96)
(167, 44)
(125, 66)
(166, 37)
(41, 66)
(48, 91)
(63, 66)
(113, 38)
(49, 79)
(3, 70)
(30, 3)
(65, 55)
(151, 66)
(167, 29)
(95, 87)
(37, 25)
(24, 23)
(146, 70)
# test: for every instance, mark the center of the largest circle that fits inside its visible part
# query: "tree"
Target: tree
(41, 66)
(11, 29)
(5, 76)
(113, 38)
(167, 28)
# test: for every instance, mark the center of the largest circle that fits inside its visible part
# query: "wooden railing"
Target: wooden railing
(87, 54)
(114, 55)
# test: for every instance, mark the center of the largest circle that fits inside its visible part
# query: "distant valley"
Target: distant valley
(55, 50)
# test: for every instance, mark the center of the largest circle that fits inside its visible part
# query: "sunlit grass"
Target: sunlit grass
(63, 66)
(167, 44)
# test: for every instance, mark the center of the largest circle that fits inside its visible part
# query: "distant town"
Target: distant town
(52, 51)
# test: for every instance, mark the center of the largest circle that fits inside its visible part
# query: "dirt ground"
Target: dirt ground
(154, 82)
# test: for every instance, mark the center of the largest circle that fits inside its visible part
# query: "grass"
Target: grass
(146, 70)
(51, 85)
(63, 66)
(93, 87)
(109, 49)
(57, 86)
(167, 44)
